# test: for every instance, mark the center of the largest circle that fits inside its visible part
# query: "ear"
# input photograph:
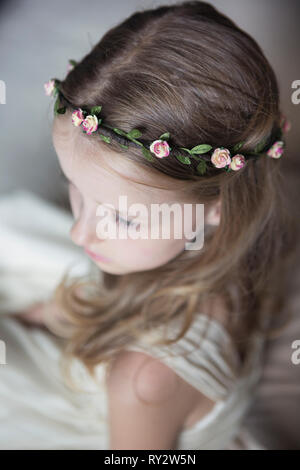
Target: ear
(213, 215)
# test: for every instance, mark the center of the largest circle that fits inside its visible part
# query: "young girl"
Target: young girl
(174, 105)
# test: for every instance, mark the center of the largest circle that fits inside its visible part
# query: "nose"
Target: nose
(80, 233)
(84, 230)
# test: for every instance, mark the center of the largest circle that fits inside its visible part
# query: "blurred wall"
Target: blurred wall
(37, 39)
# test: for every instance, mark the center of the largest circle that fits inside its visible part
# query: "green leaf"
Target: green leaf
(260, 145)
(119, 131)
(202, 167)
(134, 140)
(55, 91)
(203, 148)
(237, 147)
(72, 62)
(96, 109)
(56, 105)
(183, 159)
(187, 150)
(56, 83)
(106, 139)
(164, 136)
(57, 109)
(134, 134)
(124, 146)
(62, 110)
(196, 158)
(147, 154)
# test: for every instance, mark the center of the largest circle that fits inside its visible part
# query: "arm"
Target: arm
(147, 403)
(35, 314)
(32, 315)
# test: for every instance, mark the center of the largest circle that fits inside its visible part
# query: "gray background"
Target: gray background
(38, 37)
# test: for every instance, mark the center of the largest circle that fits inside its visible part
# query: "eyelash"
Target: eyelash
(119, 219)
(124, 222)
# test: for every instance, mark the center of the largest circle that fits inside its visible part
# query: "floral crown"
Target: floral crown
(223, 158)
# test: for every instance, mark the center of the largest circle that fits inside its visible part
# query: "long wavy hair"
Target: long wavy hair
(189, 70)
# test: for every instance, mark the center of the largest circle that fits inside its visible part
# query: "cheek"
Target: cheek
(151, 252)
(75, 201)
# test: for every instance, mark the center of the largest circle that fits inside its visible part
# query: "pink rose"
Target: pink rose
(221, 158)
(90, 124)
(160, 148)
(49, 87)
(237, 162)
(77, 117)
(276, 150)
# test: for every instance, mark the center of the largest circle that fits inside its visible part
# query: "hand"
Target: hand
(33, 315)
(40, 314)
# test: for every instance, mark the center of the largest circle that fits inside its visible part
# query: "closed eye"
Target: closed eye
(125, 222)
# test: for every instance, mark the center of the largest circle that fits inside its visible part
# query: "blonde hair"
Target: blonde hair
(189, 70)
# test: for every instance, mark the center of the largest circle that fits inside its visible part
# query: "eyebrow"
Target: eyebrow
(122, 214)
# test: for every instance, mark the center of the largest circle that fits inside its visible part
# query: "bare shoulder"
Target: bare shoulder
(153, 395)
(151, 380)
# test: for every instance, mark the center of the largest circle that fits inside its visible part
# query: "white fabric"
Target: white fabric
(35, 249)
(37, 409)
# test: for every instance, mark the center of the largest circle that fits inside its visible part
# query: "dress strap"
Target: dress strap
(204, 356)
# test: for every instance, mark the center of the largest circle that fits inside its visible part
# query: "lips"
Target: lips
(96, 256)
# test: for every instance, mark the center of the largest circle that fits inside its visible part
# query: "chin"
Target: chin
(108, 268)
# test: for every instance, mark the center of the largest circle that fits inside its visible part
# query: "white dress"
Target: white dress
(37, 409)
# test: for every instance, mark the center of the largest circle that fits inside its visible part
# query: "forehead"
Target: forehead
(89, 160)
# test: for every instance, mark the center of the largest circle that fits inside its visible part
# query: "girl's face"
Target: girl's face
(93, 184)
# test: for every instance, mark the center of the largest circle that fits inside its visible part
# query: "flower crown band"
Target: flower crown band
(222, 158)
